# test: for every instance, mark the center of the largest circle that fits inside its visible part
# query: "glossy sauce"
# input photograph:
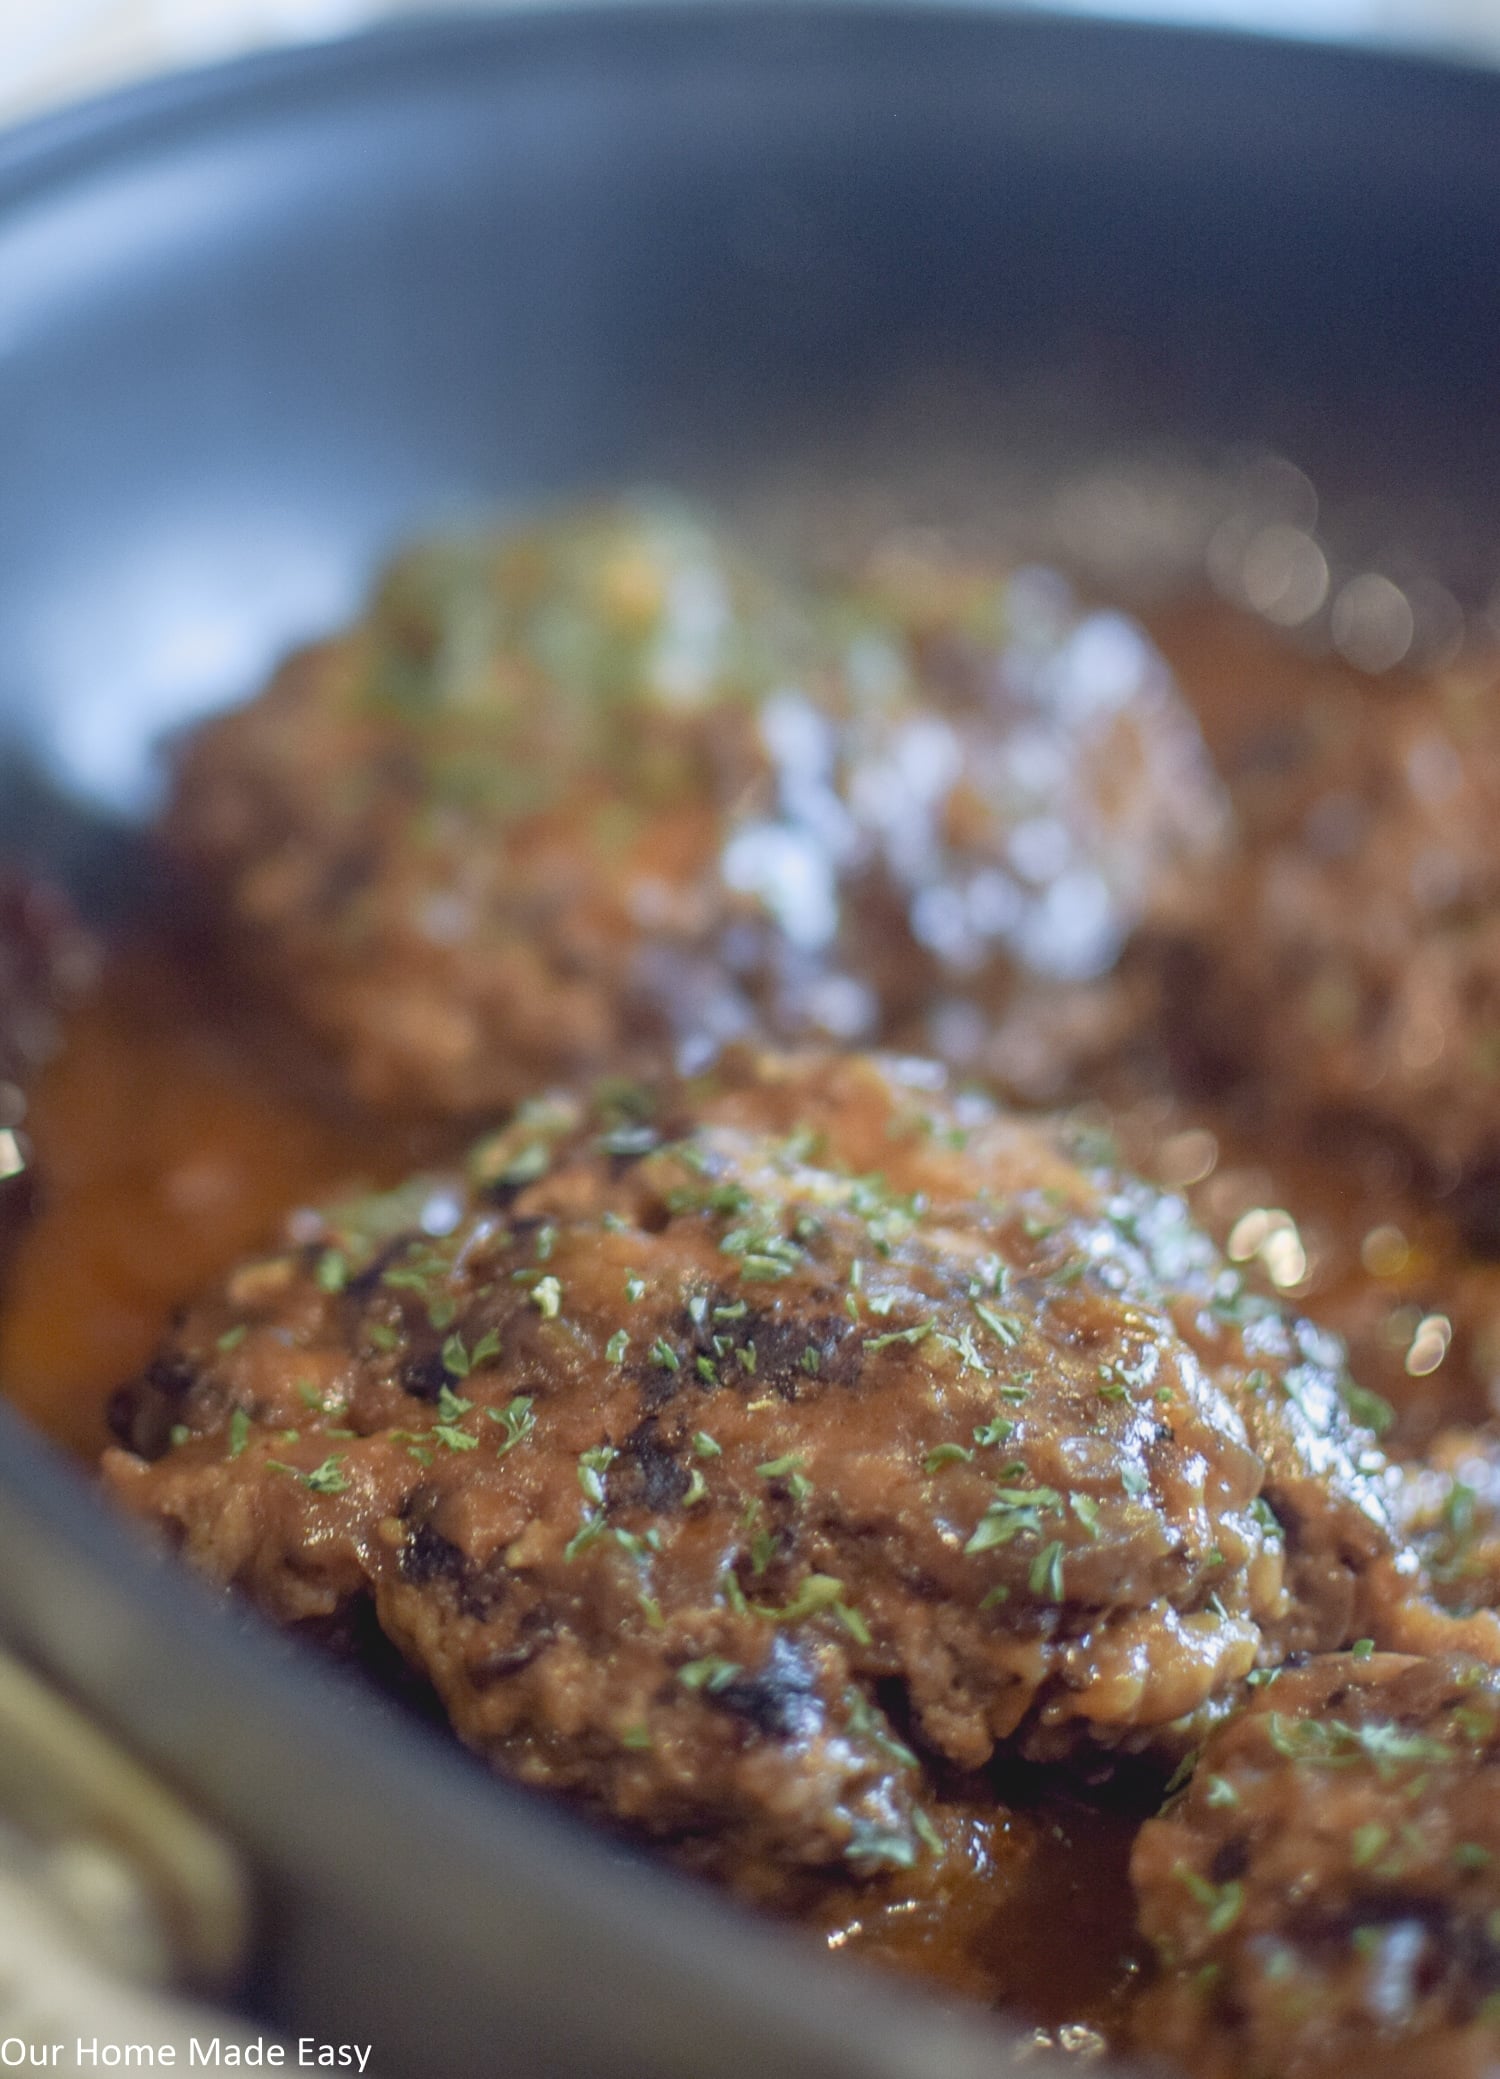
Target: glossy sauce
(168, 1146)
(172, 1140)
(1039, 1922)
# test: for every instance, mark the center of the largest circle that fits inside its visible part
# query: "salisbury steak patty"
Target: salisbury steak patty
(1325, 1894)
(603, 786)
(702, 1422)
(1348, 959)
(472, 840)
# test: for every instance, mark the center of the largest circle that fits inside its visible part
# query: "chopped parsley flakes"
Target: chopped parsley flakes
(1013, 1512)
(916, 1334)
(516, 1419)
(326, 1478)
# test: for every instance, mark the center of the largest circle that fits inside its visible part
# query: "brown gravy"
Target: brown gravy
(171, 1142)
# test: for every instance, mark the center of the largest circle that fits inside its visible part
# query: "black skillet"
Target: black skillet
(257, 323)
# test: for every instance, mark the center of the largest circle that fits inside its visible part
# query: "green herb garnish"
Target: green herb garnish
(516, 1419)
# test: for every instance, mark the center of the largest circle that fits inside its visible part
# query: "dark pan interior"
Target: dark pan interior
(257, 324)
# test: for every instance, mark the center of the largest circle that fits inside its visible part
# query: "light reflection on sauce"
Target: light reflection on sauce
(1348, 1247)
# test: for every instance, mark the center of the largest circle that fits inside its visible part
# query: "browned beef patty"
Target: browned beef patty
(602, 789)
(702, 1426)
(1346, 962)
(1325, 1893)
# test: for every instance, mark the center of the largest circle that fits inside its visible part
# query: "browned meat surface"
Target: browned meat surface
(472, 840)
(601, 788)
(1026, 786)
(45, 962)
(1450, 1510)
(1325, 1894)
(703, 1427)
(1347, 964)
